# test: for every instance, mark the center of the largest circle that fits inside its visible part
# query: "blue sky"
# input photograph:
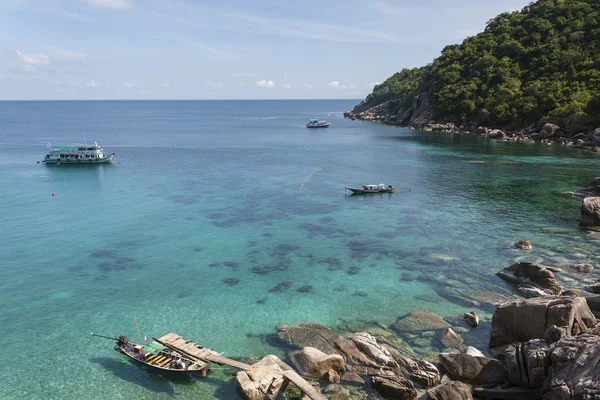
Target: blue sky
(227, 49)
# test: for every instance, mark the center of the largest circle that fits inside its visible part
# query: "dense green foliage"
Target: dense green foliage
(542, 63)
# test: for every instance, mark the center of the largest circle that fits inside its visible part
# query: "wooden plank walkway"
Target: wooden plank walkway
(202, 354)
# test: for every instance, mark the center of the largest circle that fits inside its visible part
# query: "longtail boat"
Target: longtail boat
(157, 356)
(369, 189)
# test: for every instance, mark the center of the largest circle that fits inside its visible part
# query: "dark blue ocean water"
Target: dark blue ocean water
(208, 191)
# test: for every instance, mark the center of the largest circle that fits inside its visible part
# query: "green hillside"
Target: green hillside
(540, 63)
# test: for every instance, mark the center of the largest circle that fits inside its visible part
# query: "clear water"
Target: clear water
(204, 191)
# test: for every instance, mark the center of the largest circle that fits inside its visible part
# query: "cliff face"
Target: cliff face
(539, 65)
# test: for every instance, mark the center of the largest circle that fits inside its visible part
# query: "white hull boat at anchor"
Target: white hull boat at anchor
(79, 155)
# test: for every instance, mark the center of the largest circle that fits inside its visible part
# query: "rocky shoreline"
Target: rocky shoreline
(544, 345)
(420, 117)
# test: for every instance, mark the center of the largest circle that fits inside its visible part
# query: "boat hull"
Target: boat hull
(366, 191)
(318, 126)
(105, 160)
(158, 368)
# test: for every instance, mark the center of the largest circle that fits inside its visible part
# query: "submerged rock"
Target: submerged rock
(529, 319)
(421, 320)
(452, 339)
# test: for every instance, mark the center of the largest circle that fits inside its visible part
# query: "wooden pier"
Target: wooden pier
(204, 355)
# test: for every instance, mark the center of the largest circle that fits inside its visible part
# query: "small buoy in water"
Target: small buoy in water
(53, 194)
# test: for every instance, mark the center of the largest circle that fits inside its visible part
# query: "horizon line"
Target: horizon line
(276, 99)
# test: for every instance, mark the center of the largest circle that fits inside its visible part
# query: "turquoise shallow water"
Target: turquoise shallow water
(208, 191)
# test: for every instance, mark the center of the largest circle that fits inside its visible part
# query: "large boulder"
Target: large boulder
(531, 273)
(423, 372)
(594, 304)
(420, 320)
(451, 390)
(263, 380)
(394, 387)
(316, 364)
(549, 130)
(575, 369)
(369, 346)
(528, 363)
(590, 211)
(310, 334)
(524, 320)
(473, 369)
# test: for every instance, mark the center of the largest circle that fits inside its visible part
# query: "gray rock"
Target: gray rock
(529, 319)
(527, 363)
(530, 292)
(394, 387)
(450, 391)
(369, 346)
(452, 339)
(532, 273)
(423, 372)
(514, 393)
(263, 380)
(583, 268)
(575, 369)
(594, 304)
(468, 368)
(524, 244)
(594, 288)
(473, 352)
(590, 211)
(420, 320)
(310, 334)
(471, 318)
(316, 364)
(549, 130)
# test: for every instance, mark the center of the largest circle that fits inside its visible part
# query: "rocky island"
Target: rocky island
(532, 75)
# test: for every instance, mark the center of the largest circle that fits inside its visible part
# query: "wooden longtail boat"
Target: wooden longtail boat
(158, 357)
(369, 189)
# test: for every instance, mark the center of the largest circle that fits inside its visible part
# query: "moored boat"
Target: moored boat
(158, 357)
(370, 189)
(77, 154)
(315, 123)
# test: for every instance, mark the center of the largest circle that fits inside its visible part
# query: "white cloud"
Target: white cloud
(165, 85)
(112, 4)
(351, 86)
(307, 86)
(371, 85)
(128, 85)
(334, 84)
(91, 83)
(215, 85)
(286, 85)
(265, 84)
(32, 61)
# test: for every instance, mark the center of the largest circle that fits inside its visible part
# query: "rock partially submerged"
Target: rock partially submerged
(471, 318)
(532, 274)
(590, 211)
(524, 244)
(394, 387)
(529, 319)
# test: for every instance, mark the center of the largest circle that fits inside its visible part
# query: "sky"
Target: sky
(226, 49)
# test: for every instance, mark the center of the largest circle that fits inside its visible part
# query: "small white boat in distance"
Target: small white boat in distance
(367, 189)
(315, 123)
(77, 154)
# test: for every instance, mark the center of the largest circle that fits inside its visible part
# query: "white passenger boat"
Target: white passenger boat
(315, 123)
(77, 154)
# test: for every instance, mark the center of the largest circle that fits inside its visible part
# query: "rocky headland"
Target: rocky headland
(544, 345)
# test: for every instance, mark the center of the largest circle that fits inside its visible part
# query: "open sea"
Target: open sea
(201, 217)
